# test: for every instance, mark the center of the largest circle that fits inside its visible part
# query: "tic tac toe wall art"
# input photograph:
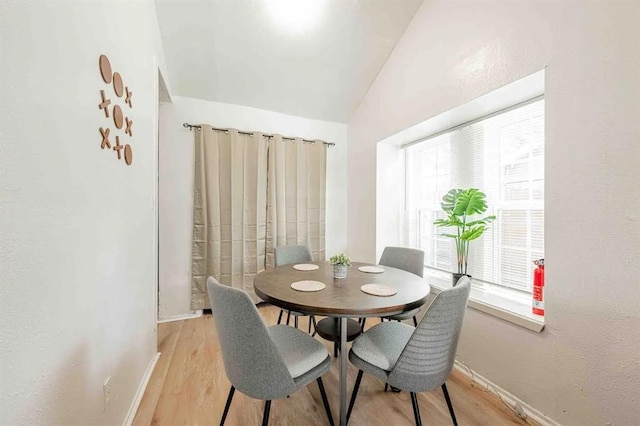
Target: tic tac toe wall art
(116, 113)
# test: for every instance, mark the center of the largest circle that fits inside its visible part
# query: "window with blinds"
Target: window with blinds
(503, 156)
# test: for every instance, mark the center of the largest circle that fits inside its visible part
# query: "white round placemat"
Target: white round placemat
(371, 269)
(305, 267)
(308, 285)
(378, 290)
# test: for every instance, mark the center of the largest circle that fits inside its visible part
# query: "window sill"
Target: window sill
(514, 308)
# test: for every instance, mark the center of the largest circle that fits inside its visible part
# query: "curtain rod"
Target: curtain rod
(266, 135)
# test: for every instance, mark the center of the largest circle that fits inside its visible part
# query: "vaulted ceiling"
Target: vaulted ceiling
(318, 63)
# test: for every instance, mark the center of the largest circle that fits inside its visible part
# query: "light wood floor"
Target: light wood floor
(189, 387)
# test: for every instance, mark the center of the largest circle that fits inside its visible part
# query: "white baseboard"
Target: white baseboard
(180, 317)
(519, 407)
(140, 392)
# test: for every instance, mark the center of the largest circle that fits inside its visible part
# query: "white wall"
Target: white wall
(77, 226)
(584, 368)
(176, 183)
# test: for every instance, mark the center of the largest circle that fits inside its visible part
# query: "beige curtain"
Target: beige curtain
(296, 195)
(229, 215)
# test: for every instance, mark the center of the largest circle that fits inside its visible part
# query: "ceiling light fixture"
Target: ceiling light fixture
(295, 15)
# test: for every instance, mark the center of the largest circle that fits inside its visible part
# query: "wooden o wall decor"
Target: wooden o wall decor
(118, 87)
(105, 69)
(117, 116)
(114, 81)
(128, 154)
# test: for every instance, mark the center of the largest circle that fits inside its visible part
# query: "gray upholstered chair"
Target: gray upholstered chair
(410, 260)
(263, 362)
(416, 359)
(289, 255)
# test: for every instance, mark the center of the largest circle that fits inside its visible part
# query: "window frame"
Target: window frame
(390, 183)
(510, 303)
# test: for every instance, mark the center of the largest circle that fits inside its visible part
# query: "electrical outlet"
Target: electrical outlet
(106, 393)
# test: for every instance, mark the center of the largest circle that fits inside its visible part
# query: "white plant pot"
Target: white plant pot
(340, 271)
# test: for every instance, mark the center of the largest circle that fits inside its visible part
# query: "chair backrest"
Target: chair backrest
(408, 259)
(286, 255)
(251, 359)
(427, 359)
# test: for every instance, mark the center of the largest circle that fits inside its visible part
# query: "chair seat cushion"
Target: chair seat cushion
(382, 344)
(300, 352)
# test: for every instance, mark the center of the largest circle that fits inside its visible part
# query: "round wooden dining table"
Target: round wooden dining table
(342, 299)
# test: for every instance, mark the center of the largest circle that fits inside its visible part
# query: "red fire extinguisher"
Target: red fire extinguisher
(538, 287)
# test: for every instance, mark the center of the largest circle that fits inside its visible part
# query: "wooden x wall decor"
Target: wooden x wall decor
(115, 86)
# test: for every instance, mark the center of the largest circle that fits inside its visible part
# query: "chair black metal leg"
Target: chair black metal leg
(265, 416)
(386, 386)
(415, 321)
(364, 320)
(288, 316)
(227, 405)
(449, 404)
(295, 321)
(335, 349)
(310, 325)
(416, 409)
(354, 394)
(280, 316)
(315, 325)
(325, 401)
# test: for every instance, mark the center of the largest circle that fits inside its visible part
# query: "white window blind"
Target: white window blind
(503, 156)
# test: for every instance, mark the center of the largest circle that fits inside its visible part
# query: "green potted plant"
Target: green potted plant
(340, 264)
(460, 205)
